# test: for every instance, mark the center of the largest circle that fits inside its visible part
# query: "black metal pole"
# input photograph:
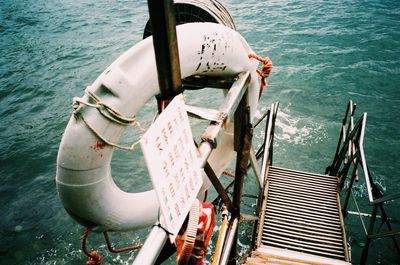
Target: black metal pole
(243, 137)
(162, 17)
(364, 253)
(218, 186)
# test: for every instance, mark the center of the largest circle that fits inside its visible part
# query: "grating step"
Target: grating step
(302, 214)
(277, 255)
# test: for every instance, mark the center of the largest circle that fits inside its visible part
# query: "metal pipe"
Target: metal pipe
(364, 254)
(347, 198)
(157, 236)
(363, 162)
(227, 108)
(229, 241)
(221, 238)
(255, 166)
(162, 17)
(342, 137)
(218, 186)
(152, 247)
(242, 142)
(267, 142)
(265, 159)
(243, 154)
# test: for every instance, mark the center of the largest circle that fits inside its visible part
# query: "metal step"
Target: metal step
(272, 255)
(302, 213)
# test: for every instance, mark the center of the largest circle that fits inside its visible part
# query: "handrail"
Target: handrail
(344, 134)
(363, 161)
(267, 146)
(390, 197)
(266, 152)
(350, 152)
(354, 143)
(351, 149)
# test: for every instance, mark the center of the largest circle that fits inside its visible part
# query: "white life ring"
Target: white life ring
(84, 182)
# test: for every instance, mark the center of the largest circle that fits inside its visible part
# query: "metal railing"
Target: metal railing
(266, 149)
(350, 157)
(233, 107)
(266, 153)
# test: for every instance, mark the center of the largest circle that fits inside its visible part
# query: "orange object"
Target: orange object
(205, 230)
(94, 257)
(265, 71)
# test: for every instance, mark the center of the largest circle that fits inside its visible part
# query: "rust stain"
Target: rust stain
(99, 145)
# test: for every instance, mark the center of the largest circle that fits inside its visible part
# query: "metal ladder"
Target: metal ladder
(301, 212)
(300, 217)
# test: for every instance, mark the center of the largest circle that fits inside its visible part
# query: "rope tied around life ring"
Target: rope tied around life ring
(109, 113)
(265, 71)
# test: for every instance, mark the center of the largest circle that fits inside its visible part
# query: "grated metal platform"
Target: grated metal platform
(302, 213)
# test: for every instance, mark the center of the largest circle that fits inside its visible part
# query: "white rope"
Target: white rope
(108, 112)
(123, 147)
(359, 212)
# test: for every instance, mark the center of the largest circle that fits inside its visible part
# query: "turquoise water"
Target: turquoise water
(324, 53)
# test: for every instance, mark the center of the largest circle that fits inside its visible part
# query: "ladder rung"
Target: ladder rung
(334, 242)
(308, 212)
(278, 170)
(304, 200)
(299, 192)
(318, 182)
(295, 212)
(302, 197)
(312, 251)
(298, 183)
(307, 222)
(305, 205)
(298, 226)
(300, 243)
(306, 190)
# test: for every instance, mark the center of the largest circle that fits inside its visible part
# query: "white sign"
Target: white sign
(173, 165)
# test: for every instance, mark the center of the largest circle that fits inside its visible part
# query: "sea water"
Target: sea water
(324, 54)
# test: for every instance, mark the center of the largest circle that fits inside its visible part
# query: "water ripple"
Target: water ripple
(324, 53)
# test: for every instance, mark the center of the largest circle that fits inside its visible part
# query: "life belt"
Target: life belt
(84, 182)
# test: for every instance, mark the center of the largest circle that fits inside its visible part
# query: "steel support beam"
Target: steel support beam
(162, 17)
(242, 144)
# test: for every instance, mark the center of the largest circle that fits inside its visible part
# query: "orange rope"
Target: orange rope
(265, 71)
(93, 257)
(119, 250)
(229, 174)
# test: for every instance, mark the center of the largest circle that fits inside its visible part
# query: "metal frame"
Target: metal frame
(157, 237)
(349, 156)
(234, 106)
(265, 152)
(162, 17)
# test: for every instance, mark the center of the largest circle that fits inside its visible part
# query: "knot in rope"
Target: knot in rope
(94, 258)
(109, 113)
(265, 71)
(266, 67)
(106, 110)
